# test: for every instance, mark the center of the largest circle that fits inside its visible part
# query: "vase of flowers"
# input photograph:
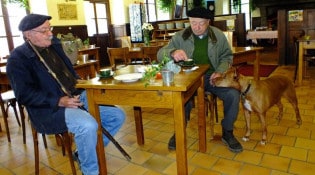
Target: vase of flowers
(147, 28)
(153, 70)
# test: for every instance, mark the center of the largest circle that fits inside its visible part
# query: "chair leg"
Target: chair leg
(66, 141)
(61, 142)
(67, 144)
(36, 152)
(44, 140)
(211, 101)
(21, 109)
(13, 104)
(5, 118)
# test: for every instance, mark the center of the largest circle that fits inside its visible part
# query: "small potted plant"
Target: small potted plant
(86, 43)
(153, 70)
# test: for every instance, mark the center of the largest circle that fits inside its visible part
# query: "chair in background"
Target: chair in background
(63, 138)
(7, 100)
(149, 54)
(118, 56)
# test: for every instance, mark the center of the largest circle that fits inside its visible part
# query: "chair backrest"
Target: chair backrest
(115, 54)
(150, 52)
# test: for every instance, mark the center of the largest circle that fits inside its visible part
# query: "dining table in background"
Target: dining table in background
(92, 51)
(248, 54)
(254, 36)
(264, 34)
(303, 46)
(113, 92)
(86, 70)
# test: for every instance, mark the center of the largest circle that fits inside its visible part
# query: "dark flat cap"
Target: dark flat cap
(199, 12)
(32, 21)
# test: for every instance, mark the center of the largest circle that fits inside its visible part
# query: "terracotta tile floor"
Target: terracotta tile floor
(290, 148)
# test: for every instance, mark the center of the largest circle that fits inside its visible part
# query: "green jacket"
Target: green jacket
(219, 51)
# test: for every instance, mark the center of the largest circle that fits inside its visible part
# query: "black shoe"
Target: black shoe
(75, 156)
(172, 143)
(229, 139)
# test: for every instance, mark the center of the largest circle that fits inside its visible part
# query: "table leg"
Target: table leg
(139, 125)
(257, 65)
(180, 133)
(300, 64)
(202, 118)
(100, 150)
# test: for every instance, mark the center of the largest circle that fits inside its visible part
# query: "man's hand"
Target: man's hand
(70, 102)
(179, 55)
(214, 76)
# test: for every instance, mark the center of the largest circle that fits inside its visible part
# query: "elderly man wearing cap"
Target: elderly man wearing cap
(206, 44)
(43, 80)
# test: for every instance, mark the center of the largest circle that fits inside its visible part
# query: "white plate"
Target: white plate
(128, 78)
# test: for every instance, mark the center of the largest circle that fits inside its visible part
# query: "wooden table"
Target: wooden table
(92, 51)
(246, 54)
(241, 55)
(303, 46)
(87, 69)
(113, 92)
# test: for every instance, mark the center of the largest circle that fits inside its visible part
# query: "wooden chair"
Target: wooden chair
(7, 100)
(118, 54)
(212, 107)
(308, 58)
(150, 53)
(64, 139)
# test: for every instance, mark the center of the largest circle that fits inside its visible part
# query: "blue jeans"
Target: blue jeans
(230, 98)
(84, 128)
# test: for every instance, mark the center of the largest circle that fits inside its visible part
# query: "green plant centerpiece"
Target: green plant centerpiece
(86, 43)
(70, 45)
(153, 69)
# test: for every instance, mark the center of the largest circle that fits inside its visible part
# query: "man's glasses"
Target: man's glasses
(44, 30)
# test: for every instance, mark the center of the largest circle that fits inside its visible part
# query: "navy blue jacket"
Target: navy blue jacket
(36, 89)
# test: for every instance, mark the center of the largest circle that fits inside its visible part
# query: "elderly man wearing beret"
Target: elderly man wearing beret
(206, 44)
(43, 80)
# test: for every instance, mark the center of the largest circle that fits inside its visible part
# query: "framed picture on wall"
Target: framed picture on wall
(295, 15)
(67, 11)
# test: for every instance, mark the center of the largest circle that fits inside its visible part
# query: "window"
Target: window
(154, 12)
(243, 7)
(97, 23)
(10, 36)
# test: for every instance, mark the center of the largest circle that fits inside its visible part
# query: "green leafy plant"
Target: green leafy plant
(86, 42)
(152, 70)
(22, 3)
(166, 5)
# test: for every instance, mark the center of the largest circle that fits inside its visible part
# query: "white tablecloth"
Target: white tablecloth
(262, 34)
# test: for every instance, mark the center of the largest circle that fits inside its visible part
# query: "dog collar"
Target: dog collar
(246, 90)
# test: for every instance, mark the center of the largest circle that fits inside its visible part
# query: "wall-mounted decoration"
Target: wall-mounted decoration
(295, 15)
(67, 11)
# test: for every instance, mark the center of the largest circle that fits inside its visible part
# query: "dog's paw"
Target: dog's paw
(263, 142)
(245, 138)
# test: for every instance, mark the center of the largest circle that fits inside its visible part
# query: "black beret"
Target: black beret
(32, 21)
(199, 12)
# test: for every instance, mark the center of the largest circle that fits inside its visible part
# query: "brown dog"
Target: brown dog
(259, 96)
